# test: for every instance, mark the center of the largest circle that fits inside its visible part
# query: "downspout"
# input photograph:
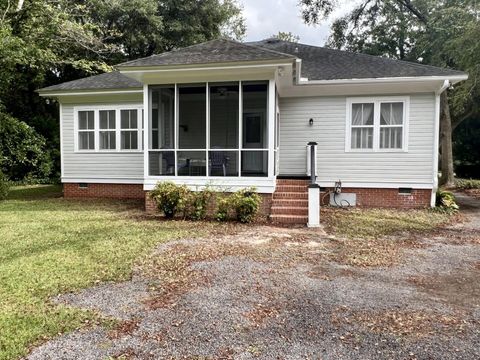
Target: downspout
(436, 140)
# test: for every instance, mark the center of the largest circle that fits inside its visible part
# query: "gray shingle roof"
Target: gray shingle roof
(320, 63)
(215, 51)
(317, 63)
(111, 80)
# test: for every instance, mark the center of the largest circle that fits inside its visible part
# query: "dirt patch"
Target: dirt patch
(460, 287)
(123, 328)
(411, 324)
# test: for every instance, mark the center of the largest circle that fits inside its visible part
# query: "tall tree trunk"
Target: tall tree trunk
(446, 159)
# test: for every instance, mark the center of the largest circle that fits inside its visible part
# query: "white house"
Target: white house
(233, 115)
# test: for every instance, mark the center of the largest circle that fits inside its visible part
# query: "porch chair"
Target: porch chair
(218, 160)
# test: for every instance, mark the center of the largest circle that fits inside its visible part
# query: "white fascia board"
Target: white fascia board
(452, 78)
(378, 185)
(88, 92)
(204, 68)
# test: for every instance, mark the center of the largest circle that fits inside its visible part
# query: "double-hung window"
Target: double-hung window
(109, 128)
(377, 124)
(129, 129)
(107, 133)
(86, 130)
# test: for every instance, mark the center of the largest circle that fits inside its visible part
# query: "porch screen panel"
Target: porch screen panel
(192, 122)
(162, 132)
(224, 100)
(255, 127)
(254, 153)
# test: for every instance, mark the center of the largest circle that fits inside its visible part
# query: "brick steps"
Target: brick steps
(290, 195)
(290, 202)
(289, 210)
(286, 202)
(289, 219)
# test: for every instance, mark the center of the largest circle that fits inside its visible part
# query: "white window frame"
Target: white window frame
(377, 101)
(96, 109)
(78, 131)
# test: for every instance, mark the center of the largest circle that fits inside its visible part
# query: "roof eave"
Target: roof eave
(207, 66)
(452, 78)
(76, 92)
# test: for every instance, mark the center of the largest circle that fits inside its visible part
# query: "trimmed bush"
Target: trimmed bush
(445, 201)
(4, 186)
(223, 206)
(197, 204)
(170, 198)
(246, 203)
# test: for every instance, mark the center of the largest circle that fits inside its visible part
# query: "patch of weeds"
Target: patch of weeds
(466, 184)
(376, 223)
(255, 350)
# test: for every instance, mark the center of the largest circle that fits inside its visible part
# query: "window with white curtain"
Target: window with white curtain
(362, 126)
(376, 124)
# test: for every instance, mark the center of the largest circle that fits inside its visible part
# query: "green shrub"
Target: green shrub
(223, 207)
(246, 203)
(467, 184)
(197, 204)
(445, 201)
(170, 198)
(4, 186)
(23, 152)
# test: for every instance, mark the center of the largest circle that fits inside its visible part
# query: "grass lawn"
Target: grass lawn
(376, 223)
(49, 245)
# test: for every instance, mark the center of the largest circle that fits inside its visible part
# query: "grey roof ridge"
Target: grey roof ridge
(405, 62)
(206, 42)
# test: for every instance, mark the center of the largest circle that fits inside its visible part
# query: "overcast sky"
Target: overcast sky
(267, 17)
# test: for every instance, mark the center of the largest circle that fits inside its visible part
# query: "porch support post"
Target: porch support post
(313, 205)
(271, 127)
(146, 130)
(313, 190)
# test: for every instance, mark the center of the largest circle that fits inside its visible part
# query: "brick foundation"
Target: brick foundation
(385, 198)
(112, 191)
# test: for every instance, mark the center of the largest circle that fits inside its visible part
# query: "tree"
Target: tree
(47, 42)
(23, 154)
(287, 36)
(443, 33)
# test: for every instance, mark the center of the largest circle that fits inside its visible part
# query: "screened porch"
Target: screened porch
(212, 130)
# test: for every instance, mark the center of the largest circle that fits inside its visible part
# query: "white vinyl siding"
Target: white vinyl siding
(108, 165)
(329, 131)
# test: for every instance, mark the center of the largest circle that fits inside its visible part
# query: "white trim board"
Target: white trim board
(377, 185)
(89, 92)
(102, 180)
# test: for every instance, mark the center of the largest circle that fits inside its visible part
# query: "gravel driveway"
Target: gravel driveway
(276, 293)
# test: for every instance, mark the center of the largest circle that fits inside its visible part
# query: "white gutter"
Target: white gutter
(436, 140)
(453, 78)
